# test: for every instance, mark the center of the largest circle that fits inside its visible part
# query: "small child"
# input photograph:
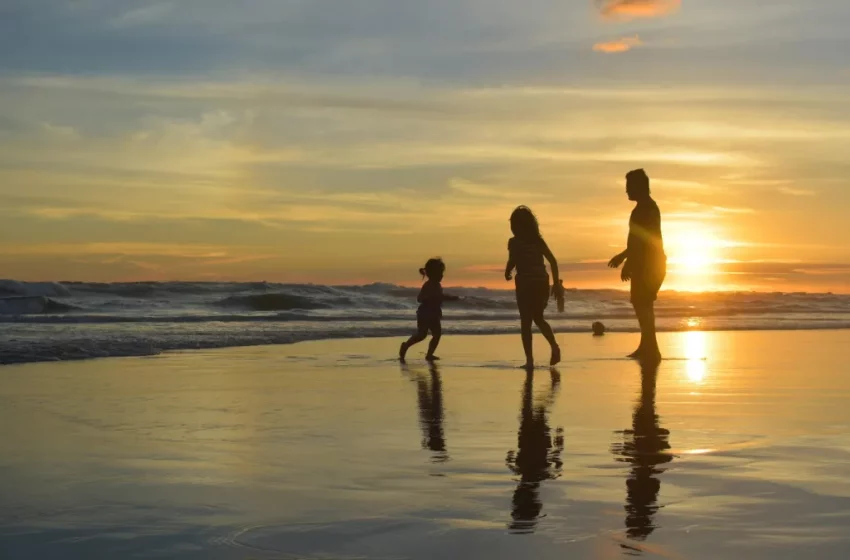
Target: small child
(430, 310)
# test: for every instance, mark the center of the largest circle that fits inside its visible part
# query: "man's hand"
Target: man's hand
(617, 260)
(508, 276)
(626, 274)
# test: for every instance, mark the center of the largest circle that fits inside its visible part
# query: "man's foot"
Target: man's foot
(651, 356)
(431, 358)
(556, 355)
(402, 351)
(528, 366)
(636, 355)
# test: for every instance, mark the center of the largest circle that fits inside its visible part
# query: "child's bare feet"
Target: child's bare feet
(556, 355)
(432, 358)
(402, 352)
(528, 366)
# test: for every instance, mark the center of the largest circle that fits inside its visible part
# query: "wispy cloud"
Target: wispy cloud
(618, 45)
(796, 192)
(630, 9)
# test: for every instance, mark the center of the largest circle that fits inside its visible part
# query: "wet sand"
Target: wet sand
(737, 446)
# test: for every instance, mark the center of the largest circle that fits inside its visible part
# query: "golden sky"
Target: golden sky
(341, 142)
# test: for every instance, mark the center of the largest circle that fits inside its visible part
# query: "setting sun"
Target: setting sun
(694, 253)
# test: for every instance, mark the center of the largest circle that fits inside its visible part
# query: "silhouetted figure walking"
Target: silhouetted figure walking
(538, 456)
(526, 251)
(430, 312)
(645, 262)
(644, 447)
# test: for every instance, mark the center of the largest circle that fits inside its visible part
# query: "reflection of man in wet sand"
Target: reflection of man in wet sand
(645, 447)
(538, 457)
(645, 262)
(429, 391)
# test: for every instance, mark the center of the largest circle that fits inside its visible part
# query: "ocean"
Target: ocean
(49, 321)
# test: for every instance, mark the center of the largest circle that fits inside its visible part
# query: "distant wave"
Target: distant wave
(271, 302)
(48, 289)
(32, 305)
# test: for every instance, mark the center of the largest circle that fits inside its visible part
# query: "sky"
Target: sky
(343, 141)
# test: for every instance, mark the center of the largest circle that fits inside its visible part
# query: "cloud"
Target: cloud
(618, 45)
(146, 15)
(796, 192)
(631, 9)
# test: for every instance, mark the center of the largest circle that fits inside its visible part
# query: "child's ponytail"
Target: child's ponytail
(432, 267)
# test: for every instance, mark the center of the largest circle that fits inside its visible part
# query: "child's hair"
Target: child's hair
(524, 223)
(433, 267)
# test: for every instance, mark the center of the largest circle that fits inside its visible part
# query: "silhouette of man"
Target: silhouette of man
(645, 447)
(645, 262)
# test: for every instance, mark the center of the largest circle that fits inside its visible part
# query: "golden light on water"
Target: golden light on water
(695, 347)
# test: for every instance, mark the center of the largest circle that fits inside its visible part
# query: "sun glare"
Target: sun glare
(694, 253)
(695, 354)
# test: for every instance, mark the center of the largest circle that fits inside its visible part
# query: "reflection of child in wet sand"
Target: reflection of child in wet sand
(526, 251)
(430, 311)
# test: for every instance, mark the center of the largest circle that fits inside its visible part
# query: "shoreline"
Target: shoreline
(447, 333)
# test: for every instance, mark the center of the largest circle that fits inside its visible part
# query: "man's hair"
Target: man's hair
(639, 179)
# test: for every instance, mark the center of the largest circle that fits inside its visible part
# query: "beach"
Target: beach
(736, 446)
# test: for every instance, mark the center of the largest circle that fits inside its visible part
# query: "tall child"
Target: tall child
(526, 251)
(430, 312)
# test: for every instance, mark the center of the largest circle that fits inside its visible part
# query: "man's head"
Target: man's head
(637, 184)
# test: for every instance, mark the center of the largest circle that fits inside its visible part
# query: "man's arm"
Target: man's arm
(618, 259)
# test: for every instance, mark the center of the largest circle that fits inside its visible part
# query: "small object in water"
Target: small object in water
(598, 328)
(559, 296)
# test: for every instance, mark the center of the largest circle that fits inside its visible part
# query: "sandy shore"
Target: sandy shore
(738, 446)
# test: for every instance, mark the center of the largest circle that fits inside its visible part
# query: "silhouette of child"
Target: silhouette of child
(526, 250)
(431, 298)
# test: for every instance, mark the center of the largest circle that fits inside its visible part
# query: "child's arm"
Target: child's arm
(425, 293)
(553, 264)
(509, 267)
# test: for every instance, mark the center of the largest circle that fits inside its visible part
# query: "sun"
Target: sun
(694, 252)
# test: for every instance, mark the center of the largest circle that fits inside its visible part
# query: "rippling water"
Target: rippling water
(735, 447)
(60, 321)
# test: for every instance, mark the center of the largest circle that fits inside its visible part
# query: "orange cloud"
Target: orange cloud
(630, 9)
(618, 45)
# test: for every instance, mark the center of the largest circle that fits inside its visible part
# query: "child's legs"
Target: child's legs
(525, 320)
(436, 332)
(421, 333)
(545, 329)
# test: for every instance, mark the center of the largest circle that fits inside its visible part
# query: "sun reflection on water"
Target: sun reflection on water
(695, 355)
